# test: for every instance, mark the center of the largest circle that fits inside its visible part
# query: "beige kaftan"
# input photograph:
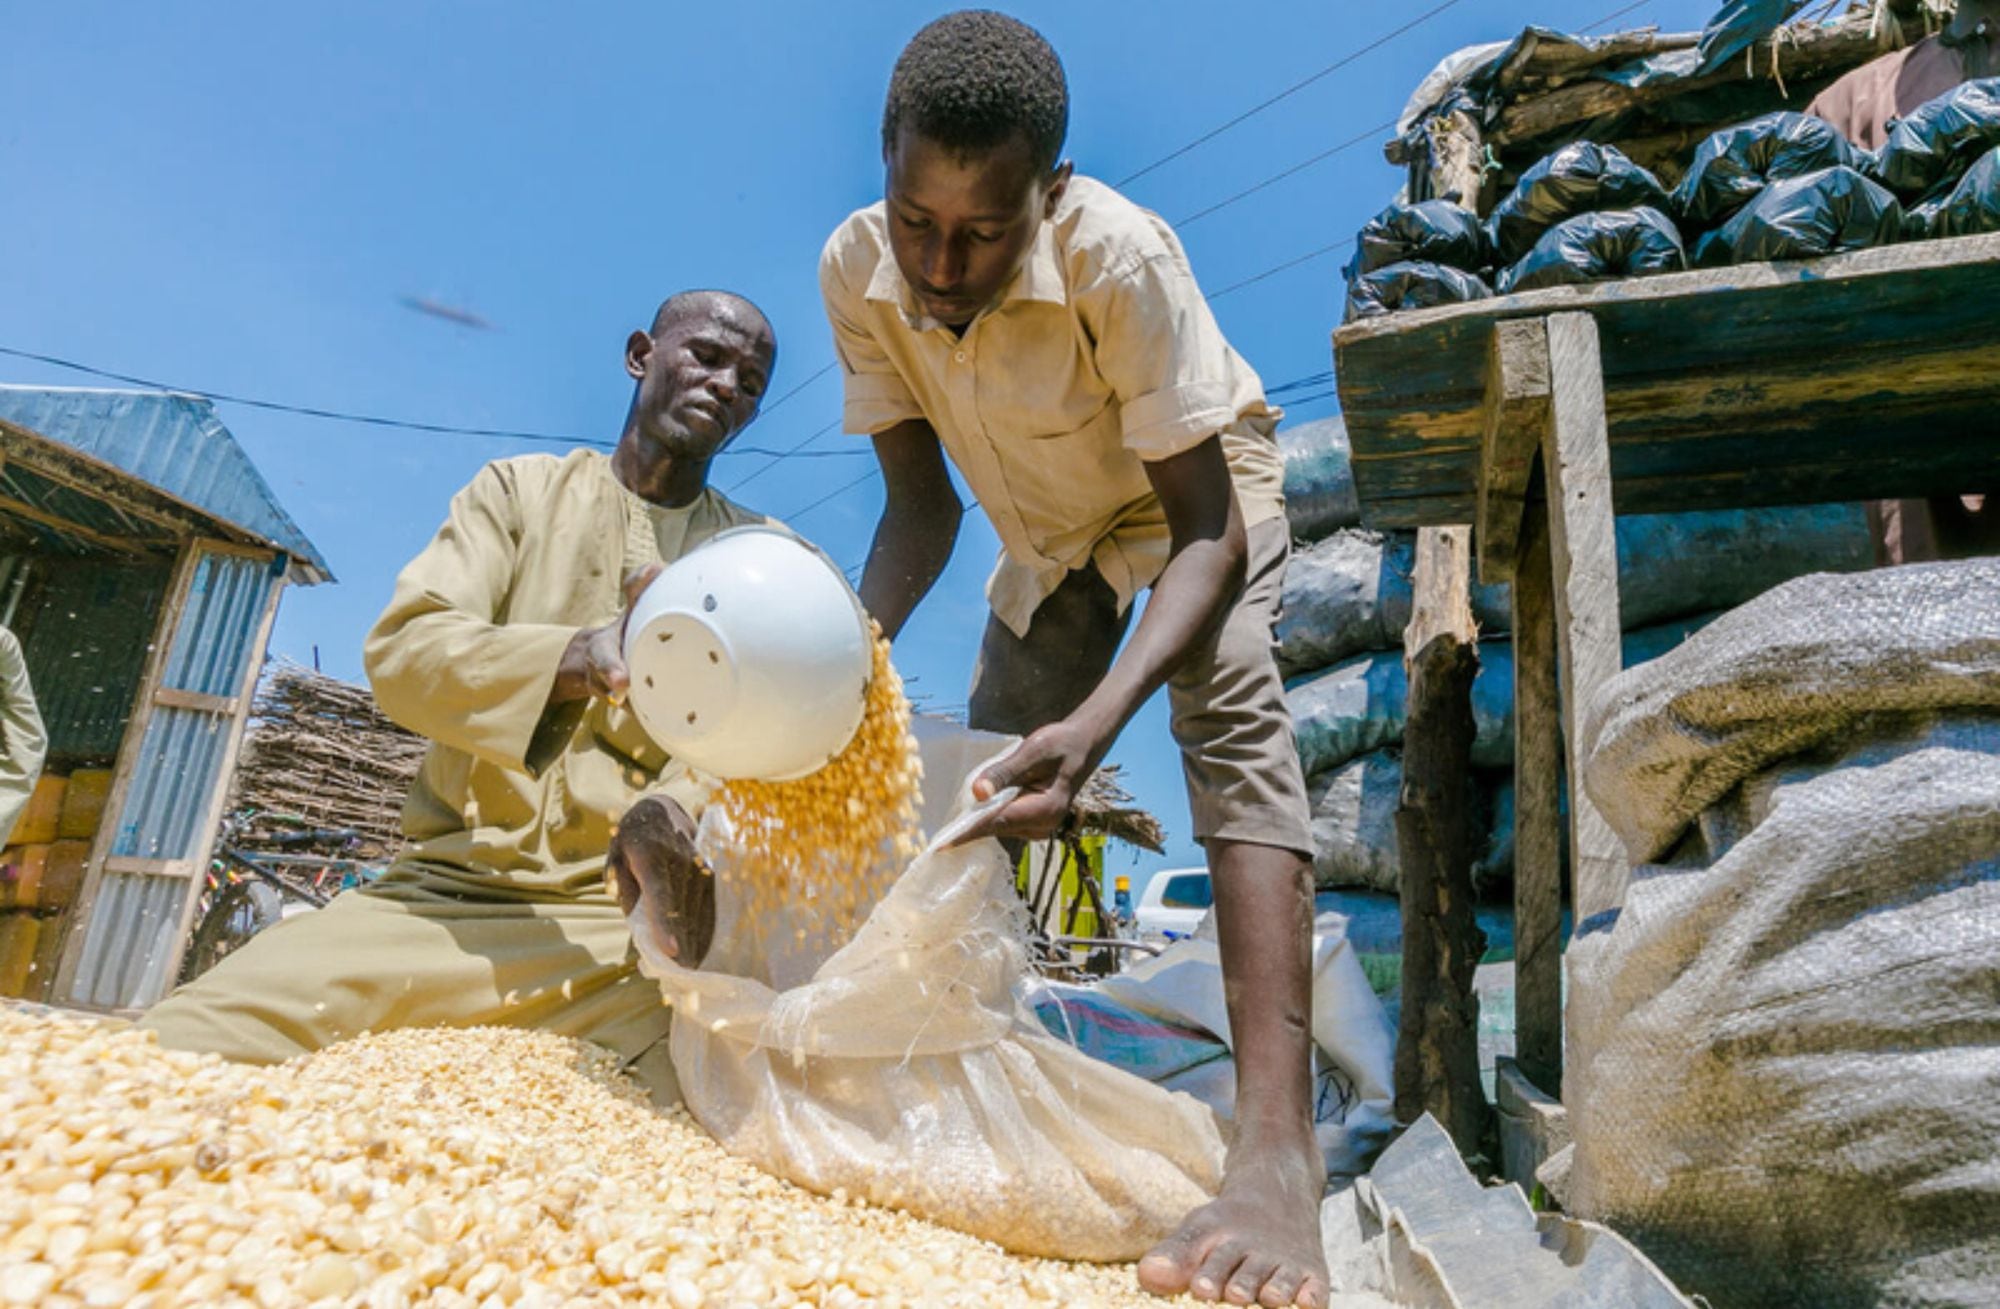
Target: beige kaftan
(25, 741)
(496, 911)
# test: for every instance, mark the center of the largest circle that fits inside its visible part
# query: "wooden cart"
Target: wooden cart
(1537, 417)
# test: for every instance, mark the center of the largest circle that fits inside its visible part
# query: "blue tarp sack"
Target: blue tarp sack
(1823, 213)
(1414, 285)
(1738, 25)
(1581, 178)
(1972, 206)
(1940, 140)
(1431, 231)
(1735, 165)
(1592, 247)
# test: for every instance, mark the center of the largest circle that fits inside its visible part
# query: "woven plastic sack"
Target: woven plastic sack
(1823, 213)
(1431, 231)
(1594, 247)
(906, 1065)
(1784, 1052)
(1411, 285)
(1581, 178)
(1940, 140)
(1732, 167)
(1319, 478)
(1970, 207)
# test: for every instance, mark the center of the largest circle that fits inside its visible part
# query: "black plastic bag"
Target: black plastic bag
(1591, 247)
(1971, 207)
(1940, 140)
(1582, 177)
(1431, 231)
(1733, 167)
(1821, 213)
(1412, 285)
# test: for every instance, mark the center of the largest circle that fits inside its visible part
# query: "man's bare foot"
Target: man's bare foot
(1259, 1241)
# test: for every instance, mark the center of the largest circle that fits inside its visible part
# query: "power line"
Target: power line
(824, 370)
(1324, 155)
(1307, 257)
(307, 411)
(779, 456)
(401, 424)
(1291, 90)
(834, 494)
(1612, 18)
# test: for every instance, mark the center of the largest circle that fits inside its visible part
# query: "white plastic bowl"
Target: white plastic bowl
(750, 657)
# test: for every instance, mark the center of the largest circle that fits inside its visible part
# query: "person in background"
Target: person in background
(26, 741)
(1862, 105)
(501, 644)
(1046, 335)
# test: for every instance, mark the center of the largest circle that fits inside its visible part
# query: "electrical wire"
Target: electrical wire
(1290, 91)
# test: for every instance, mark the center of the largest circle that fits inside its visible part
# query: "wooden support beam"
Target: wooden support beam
(1517, 416)
(1437, 1049)
(57, 523)
(1537, 815)
(1795, 54)
(1583, 550)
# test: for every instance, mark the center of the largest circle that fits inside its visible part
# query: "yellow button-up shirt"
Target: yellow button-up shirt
(1100, 356)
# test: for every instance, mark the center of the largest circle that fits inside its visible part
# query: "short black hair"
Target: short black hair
(972, 80)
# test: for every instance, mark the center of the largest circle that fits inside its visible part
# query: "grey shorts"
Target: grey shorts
(1228, 702)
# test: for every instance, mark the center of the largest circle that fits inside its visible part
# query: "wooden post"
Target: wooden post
(1514, 545)
(1583, 549)
(1537, 816)
(1437, 1049)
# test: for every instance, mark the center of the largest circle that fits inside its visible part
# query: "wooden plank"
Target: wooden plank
(1538, 730)
(1517, 415)
(1858, 376)
(168, 697)
(1583, 551)
(56, 522)
(133, 866)
(76, 923)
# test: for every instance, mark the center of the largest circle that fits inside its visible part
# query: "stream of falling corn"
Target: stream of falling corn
(483, 1167)
(829, 843)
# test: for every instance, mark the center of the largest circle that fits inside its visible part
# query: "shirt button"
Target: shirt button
(960, 356)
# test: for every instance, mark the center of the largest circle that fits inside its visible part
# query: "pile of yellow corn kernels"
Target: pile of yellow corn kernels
(831, 841)
(456, 1168)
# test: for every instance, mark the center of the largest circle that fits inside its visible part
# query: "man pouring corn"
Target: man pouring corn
(500, 644)
(1047, 337)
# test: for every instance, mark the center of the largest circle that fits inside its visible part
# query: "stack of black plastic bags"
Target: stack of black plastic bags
(1784, 186)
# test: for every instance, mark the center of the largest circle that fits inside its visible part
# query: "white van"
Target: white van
(1174, 903)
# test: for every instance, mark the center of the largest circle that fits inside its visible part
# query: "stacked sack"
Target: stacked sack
(1783, 186)
(1943, 161)
(41, 871)
(1347, 599)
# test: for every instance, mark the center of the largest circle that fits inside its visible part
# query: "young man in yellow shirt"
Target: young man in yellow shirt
(1047, 336)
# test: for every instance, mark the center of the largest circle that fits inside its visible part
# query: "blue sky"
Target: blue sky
(236, 197)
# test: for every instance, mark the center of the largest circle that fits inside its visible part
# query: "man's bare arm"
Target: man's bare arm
(919, 526)
(1204, 572)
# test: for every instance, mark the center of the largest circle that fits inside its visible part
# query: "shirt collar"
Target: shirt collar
(1040, 279)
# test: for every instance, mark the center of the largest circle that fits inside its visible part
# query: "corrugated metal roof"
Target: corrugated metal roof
(174, 442)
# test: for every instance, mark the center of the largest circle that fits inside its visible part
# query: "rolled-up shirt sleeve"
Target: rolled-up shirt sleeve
(1159, 348)
(876, 396)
